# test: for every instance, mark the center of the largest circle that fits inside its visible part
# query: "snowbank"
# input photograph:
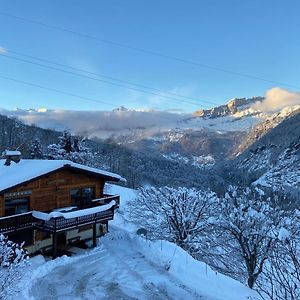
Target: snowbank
(194, 273)
(73, 214)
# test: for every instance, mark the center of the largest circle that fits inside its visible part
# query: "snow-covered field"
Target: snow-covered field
(126, 266)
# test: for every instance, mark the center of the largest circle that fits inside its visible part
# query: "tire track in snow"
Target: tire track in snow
(114, 270)
(132, 262)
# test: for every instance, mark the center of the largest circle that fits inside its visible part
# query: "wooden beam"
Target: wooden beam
(54, 245)
(106, 223)
(94, 235)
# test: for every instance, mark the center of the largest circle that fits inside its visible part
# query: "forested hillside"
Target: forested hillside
(272, 158)
(139, 168)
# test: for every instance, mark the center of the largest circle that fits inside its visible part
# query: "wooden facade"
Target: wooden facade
(50, 192)
(53, 190)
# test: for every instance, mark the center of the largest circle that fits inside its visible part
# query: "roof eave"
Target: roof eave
(66, 166)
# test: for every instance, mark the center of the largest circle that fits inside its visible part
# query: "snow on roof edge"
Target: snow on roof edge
(30, 169)
(94, 170)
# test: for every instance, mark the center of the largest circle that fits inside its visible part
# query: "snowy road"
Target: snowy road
(115, 270)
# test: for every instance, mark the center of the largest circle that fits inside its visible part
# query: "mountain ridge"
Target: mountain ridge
(229, 108)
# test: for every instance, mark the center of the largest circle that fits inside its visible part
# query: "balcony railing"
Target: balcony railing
(61, 224)
(106, 199)
(17, 222)
(56, 224)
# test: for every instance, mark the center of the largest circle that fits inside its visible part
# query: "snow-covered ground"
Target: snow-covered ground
(126, 266)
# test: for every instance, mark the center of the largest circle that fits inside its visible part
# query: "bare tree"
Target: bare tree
(281, 277)
(179, 215)
(249, 227)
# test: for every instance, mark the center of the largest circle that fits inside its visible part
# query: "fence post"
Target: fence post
(54, 241)
(94, 235)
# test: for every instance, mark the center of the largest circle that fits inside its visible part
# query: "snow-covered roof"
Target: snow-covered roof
(29, 169)
(11, 153)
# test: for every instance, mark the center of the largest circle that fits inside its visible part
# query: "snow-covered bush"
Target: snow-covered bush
(12, 261)
(11, 253)
(178, 215)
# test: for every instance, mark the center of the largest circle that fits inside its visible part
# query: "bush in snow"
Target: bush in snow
(12, 260)
(178, 215)
(247, 230)
(11, 253)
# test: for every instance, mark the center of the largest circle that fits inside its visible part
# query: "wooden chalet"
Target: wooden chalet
(53, 203)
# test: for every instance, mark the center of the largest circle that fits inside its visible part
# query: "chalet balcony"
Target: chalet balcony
(17, 222)
(106, 199)
(100, 210)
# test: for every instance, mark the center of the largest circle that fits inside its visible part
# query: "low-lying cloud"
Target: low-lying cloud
(277, 99)
(100, 124)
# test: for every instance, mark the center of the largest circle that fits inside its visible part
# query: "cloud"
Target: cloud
(3, 50)
(172, 102)
(277, 99)
(99, 124)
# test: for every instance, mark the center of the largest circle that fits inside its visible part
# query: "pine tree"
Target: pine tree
(65, 141)
(36, 151)
(71, 148)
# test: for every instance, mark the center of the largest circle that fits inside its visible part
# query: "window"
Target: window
(83, 196)
(76, 196)
(16, 206)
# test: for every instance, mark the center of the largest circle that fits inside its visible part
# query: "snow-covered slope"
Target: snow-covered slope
(285, 172)
(273, 160)
(243, 119)
(218, 136)
(126, 266)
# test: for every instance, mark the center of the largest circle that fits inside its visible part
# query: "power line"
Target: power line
(100, 80)
(56, 90)
(70, 94)
(146, 51)
(109, 77)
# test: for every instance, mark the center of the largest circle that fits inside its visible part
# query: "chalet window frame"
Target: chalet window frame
(15, 199)
(81, 201)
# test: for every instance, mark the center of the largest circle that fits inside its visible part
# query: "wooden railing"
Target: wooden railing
(16, 222)
(26, 220)
(107, 198)
(61, 224)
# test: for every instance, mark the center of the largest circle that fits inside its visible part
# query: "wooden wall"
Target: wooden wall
(2, 212)
(53, 191)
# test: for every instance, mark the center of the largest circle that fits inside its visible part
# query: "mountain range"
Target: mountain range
(231, 143)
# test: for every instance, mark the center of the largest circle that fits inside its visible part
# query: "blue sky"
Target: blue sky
(258, 37)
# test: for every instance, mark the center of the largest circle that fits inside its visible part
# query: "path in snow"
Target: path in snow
(115, 270)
